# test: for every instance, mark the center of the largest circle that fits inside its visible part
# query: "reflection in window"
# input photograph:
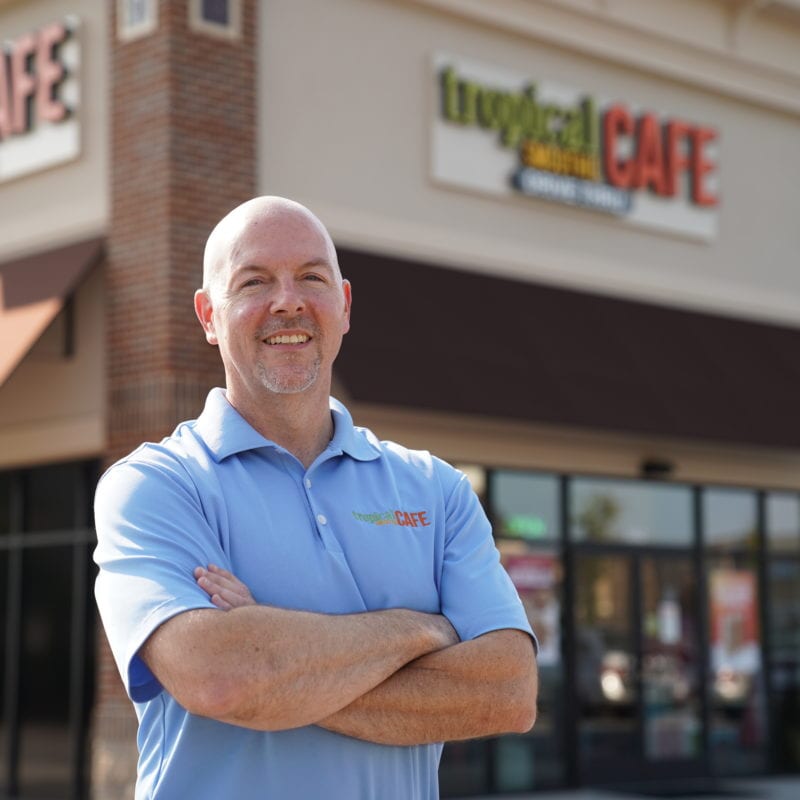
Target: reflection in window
(783, 542)
(730, 519)
(537, 576)
(783, 523)
(525, 505)
(605, 660)
(536, 759)
(784, 587)
(670, 664)
(627, 511)
(736, 688)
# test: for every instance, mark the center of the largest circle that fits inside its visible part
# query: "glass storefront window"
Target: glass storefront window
(5, 503)
(784, 616)
(670, 661)
(4, 731)
(51, 497)
(730, 519)
(605, 660)
(537, 575)
(783, 544)
(783, 522)
(47, 627)
(464, 768)
(608, 511)
(44, 692)
(536, 759)
(524, 509)
(641, 653)
(525, 505)
(736, 690)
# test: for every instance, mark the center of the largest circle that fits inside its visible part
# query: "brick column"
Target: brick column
(182, 155)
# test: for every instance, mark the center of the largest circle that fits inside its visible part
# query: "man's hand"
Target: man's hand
(225, 589)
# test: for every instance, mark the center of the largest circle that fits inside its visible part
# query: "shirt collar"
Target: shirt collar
(358, 443)
(226, 432)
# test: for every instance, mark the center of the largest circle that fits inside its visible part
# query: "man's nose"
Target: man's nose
(287, 299)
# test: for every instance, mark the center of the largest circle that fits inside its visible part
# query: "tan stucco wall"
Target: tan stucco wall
(347, 127)
(68, 201)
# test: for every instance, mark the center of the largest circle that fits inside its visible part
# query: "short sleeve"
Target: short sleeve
(151, 534)
(477, 596)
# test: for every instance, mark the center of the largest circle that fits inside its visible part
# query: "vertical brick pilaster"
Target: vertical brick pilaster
(182, 155)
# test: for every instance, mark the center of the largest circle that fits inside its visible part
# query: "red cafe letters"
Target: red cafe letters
(30, 73)
(659, 156)
(411, 519)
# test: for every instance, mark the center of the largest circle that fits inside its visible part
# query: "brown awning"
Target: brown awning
(32, 292)
(453, 341)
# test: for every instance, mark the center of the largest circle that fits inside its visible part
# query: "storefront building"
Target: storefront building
(571, 231)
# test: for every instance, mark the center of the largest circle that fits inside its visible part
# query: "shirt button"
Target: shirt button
(308, 483)
(322, 519)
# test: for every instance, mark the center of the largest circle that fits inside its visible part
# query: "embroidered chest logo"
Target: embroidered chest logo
(406, 519)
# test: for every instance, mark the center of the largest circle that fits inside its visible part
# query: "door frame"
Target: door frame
(630, 767)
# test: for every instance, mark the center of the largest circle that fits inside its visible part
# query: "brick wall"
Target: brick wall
(182, 155)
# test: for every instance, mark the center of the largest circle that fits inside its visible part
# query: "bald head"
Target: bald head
(269, 218)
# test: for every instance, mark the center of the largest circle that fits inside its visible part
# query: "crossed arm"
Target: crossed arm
(393, 677)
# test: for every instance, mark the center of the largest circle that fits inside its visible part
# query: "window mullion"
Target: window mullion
(13, 639)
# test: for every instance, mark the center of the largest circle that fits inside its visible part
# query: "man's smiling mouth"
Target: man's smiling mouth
(284, 339)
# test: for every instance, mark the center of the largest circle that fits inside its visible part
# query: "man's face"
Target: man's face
(277, 307)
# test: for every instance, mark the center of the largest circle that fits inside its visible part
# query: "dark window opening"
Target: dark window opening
(47, 629)
(216, 11)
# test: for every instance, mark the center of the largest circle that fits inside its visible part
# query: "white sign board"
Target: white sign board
(40, 100)
(504, 133)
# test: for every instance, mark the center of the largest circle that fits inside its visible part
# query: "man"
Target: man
(380, 622)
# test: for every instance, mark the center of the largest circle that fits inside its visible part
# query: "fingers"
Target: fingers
(224, 589)
(220, 602)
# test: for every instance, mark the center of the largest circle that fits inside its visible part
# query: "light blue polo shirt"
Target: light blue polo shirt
(369, 525)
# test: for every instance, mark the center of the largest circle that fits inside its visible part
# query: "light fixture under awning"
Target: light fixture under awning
(32, 292)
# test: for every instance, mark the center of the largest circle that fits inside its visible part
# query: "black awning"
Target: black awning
(447, 340)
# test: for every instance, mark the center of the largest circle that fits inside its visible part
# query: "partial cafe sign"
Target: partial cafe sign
(500, 132)
(39, 98)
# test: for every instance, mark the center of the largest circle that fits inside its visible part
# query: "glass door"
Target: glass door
(670, 662)
(637, 666)
(605, 665)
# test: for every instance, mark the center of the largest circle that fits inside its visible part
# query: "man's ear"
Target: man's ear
(347, 289)
(205, 313)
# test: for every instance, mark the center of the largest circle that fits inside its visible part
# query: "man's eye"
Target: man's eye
(313, 277)
(252, 282)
